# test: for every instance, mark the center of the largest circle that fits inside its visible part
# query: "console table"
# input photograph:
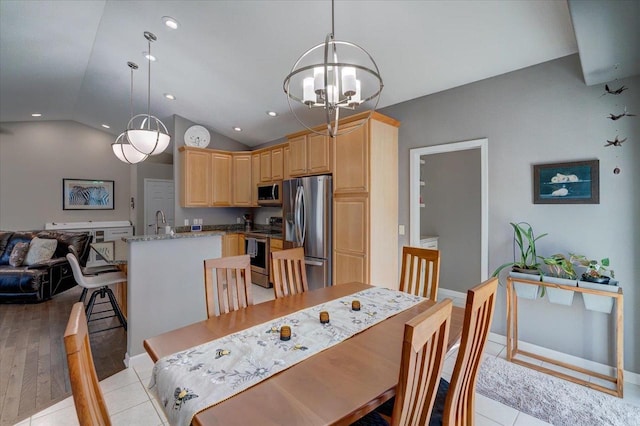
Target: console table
(512, 339)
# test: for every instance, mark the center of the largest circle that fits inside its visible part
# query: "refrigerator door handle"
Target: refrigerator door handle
(303, 222)
(312, 262)
(297, 216)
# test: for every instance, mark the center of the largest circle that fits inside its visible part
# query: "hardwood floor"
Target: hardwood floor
(33, 365)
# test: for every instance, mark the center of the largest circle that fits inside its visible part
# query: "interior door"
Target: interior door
(158, 195)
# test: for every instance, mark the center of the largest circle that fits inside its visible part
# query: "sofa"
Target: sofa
(39, 281)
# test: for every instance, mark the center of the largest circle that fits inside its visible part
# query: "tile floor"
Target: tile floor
(130, 404)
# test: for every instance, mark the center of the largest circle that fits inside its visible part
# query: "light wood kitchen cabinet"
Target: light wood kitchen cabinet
(310, 154)
(365, 202)
(229, 244)
(222, 179)
(242, 182)
(265, 166)
(286, 174)
(196, 178)
(255, 178)
(277, 161)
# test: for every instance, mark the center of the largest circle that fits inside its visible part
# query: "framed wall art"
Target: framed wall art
(87, 194)
(576, 182)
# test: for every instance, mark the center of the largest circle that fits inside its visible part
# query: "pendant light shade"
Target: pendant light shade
(145, 132)
(331, 77)
(122, 148)
(125, 151)
(150, 137)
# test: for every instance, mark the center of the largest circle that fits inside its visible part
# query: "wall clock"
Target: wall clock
(197, 136)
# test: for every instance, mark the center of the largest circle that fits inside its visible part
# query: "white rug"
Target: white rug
(551, 399)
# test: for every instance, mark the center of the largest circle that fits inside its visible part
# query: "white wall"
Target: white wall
(36, 156)
(544, 114)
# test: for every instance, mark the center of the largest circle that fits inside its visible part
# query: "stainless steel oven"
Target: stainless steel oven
(257, 247)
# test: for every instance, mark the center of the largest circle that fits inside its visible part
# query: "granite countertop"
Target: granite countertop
(174, 236)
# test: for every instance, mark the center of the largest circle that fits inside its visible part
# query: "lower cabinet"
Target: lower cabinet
(233, 245)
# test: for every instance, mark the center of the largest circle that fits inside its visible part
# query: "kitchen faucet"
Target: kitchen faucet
(164, 220)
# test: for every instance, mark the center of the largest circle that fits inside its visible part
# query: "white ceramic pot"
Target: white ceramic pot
(560, 296)
(525, 291)
(597, 303)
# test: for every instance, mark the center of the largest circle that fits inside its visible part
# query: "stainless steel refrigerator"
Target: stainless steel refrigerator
(306, 207)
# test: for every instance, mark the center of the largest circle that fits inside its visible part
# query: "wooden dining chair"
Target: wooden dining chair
(87, 395)
(289, 273)
(232, 288)
(423, 352)
(420, 272)
(455, 401)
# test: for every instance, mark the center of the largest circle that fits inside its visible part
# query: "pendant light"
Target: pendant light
(121, 147)
(323, 83)
(150, 136)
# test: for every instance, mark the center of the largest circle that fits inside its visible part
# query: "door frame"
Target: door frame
(414, 192)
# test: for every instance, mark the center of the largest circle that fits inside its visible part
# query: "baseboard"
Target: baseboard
(629, 376)
(136, 360)
(445, 292)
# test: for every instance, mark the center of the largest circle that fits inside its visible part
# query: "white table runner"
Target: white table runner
(190, 381)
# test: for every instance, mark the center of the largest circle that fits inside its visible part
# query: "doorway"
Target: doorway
(418, 205)
(158, 195)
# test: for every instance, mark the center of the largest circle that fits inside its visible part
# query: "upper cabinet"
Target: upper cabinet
(309, 154)
(196, 178)
(208, 178)
(272, 164)
(255, 178)
(242, 181)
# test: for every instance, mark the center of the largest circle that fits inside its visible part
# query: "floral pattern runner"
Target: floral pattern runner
(192, 380)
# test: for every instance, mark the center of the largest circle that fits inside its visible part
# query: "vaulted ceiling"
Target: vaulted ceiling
(227, 61)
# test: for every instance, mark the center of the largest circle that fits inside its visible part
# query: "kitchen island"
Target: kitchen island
(165, 282)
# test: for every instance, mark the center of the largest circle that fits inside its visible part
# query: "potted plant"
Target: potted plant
(597, 276)
(525, 266)
(560, 271)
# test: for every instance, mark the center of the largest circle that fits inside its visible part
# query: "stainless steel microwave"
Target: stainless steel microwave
(270, 194)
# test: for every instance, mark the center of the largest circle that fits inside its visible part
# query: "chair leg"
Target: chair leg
(92, 301)
(83, 295)
(116, 308)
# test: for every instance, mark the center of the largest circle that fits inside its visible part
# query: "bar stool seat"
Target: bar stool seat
(99, 282)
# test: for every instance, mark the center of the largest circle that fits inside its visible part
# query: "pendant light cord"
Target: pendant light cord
(333, 31)
(149, 88)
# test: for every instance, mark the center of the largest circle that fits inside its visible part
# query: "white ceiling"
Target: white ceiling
(227, 61)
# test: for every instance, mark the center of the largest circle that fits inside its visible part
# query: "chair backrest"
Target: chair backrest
(232, 288)
(423, 352)
(459, 404)
(87, 395)
(76, 269)
(420, 272)
(289, 273)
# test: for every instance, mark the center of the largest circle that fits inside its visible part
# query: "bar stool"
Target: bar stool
(99, 282)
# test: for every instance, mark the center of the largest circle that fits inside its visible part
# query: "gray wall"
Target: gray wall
(545, 114)
(452, 212)
(211, 215)
(36, 156)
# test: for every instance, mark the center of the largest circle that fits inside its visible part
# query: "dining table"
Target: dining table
(335, 386)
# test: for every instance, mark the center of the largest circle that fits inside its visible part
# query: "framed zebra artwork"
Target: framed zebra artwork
(87, 194)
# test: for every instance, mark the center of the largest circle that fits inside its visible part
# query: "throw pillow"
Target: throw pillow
(18, 254)
(40, 249)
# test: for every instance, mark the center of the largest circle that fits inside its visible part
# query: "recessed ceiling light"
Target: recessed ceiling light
(272, 113)
(170, 22)
(106, 126)
(169, 96)
(149, 57)
(237, 129)
(36, 114)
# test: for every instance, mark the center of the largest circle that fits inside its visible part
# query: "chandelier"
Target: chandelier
(122, 148)
(324, 83)
(145, 132)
